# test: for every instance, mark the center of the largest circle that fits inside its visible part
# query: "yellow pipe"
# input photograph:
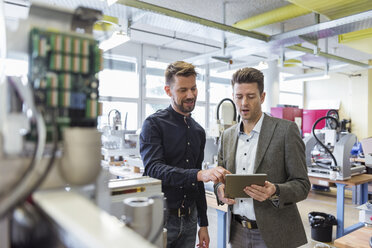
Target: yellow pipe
(336, 8)
(277, 15)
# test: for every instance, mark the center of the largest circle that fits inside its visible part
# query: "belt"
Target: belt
(245, 222)
(180, 212)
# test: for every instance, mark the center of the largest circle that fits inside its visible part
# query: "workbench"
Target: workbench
(361, 180)
(359, 238)
(221, 218)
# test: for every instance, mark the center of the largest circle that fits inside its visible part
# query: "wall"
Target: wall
(351, 92)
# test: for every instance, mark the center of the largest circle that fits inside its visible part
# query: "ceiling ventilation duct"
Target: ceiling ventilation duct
(336, 8)
(277, 15)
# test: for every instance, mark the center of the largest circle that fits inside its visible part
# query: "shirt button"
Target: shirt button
(187, 160)
(180, 187)
(247, 140)
(243, 168)
(241, 200)
(193, 184)
(184, 196)
(245, 154)
(188, 143)
(188, 126)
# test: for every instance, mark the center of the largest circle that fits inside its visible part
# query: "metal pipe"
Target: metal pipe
(329, 56)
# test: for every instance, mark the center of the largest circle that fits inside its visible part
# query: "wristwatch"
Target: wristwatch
(276, 195)
(277, 191)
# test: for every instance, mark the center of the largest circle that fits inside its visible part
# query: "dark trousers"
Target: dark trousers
(181, 231)
(242, 237)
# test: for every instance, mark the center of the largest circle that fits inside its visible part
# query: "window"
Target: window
(153, 107)
(220, 86)
(212, 115)
(156, 98)
(291, 92)
(219, 91)
(119, 89)
(200, 84)
(117, 83)
(128, 111)
(155, 79)
(199, 115)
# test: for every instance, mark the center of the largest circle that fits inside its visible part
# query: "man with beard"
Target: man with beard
(172, 149)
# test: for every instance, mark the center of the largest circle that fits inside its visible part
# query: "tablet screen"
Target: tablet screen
(234, 184)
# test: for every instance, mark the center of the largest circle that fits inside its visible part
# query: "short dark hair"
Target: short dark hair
(248, 75)
(179, 68)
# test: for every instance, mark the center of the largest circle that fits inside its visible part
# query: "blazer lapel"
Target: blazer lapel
(233, 146)
(267, 131)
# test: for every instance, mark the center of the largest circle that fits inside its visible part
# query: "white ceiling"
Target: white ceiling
(169, 32)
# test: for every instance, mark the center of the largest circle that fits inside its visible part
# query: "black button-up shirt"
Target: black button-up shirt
(172, 150)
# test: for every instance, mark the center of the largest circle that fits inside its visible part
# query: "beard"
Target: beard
(186, 108)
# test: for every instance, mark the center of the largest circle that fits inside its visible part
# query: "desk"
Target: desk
(359, 238)
(361, 180)
(221, 218)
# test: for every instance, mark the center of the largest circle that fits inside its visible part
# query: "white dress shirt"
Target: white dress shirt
(244, 164)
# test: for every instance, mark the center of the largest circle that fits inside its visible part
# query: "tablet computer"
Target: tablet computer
(235, 183)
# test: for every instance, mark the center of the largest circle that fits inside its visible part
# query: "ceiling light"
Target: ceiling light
(307, 77)
(116, 39)
(260, 66)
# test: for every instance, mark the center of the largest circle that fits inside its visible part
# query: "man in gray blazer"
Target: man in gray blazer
(263, 144)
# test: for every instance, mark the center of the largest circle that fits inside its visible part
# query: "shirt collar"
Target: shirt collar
(257, 127)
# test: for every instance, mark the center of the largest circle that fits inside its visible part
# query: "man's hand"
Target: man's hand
(215, 174)
(203, 237)
(221, 195)
(260, 193)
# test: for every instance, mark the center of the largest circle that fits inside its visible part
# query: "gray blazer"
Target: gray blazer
(281, 155)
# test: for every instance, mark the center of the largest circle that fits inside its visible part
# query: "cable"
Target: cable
(23, 189)
(220, 103)
(320, 164)
(31, 166)
(108, 116)
(321, 143)
(332, 113)
(36, 174)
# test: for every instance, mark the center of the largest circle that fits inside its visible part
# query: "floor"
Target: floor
(316, 201)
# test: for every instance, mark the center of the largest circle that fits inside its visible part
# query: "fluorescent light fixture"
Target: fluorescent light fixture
(307, 77)
(116, 39)
(111, 2)
(261, 66)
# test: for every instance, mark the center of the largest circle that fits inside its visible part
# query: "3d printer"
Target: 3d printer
(328, 151)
